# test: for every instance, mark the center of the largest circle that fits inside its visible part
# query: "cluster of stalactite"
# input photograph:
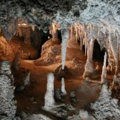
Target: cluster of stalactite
(107, 35)
(53, 30)
(105, 32)
(77, 33)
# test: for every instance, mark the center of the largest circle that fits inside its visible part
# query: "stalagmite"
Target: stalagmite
(89, 69)
(63, 87)
(104, 71)
(27, 80)
(49, 95)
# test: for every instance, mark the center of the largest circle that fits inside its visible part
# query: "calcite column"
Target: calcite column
(89, 68)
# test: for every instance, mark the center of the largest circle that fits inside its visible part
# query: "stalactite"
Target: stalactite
(71, 32)
(111, 65)
(65, 36)
(53, 30)
(90, 51)
(104, 72)
(81, 44)
(113, 32)
(33, 27)
(85, 43)
(89, 69)
(78, 32)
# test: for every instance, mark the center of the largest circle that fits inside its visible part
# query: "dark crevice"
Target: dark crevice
(98, 54)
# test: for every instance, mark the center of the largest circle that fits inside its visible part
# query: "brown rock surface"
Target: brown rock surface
(26, 41)
(51, 53)
(48, 44)
(6, 52)
(25, 51)
(72, 43)
(59, 73)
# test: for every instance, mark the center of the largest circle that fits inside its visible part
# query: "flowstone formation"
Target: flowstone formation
(106, 107)
(7, 101)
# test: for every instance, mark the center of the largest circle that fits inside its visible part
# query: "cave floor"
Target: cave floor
(86, 92)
